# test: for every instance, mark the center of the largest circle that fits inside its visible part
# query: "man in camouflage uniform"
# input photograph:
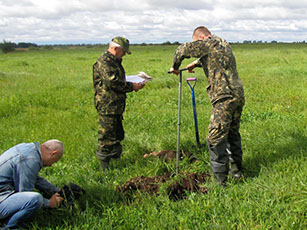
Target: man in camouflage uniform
(110, 99)
(226, 94)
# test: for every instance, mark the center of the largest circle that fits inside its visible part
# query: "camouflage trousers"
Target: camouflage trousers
(224, 140)
(110, 134)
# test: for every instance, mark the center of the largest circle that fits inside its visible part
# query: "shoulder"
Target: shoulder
(218, 39)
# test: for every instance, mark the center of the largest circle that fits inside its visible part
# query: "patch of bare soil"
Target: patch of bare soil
(177, 190)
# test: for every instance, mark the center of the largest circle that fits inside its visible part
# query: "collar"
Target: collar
(112, 56)
(38, 149)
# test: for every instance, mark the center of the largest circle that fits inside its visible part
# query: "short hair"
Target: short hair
(201, 30)
(114, 44)
(54, 145)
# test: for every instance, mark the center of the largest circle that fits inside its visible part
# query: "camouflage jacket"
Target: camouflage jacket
(110, 85)
(219, 64)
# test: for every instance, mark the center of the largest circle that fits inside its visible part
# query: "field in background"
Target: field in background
(48, 94)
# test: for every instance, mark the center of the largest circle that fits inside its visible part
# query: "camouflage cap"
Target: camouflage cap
(123, 42)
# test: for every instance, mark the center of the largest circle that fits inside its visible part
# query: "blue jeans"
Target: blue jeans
(20, 207)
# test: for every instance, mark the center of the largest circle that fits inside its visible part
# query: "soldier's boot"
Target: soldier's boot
(104, 165)
(219, 161)
(221, 178)
(235, 155)
(104, 160)
(235, 171)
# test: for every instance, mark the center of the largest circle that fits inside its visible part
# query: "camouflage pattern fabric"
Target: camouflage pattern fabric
(110, 100)
(110, 134)
(226, 94)
(110, 85)
(224, 140)
(225, 118)
(219, 64)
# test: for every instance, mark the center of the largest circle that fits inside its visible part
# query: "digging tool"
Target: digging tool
(194, 107)
(178, 120)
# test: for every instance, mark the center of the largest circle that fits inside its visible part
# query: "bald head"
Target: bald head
(52, 151)
(201, 33)
(54, 145)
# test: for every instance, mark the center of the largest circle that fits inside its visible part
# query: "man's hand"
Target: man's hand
(138, 86)
(55, 200)
(172, 70)
(190, 67)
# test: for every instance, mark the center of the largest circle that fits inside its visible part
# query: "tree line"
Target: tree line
(7, 46)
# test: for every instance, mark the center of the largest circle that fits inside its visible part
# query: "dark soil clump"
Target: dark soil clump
(177, 190)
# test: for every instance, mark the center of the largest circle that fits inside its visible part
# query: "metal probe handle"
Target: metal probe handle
(183, 69)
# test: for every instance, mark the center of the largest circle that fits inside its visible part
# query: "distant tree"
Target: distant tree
(273, 41)
(7, 46)
(25, 45)
(166, 43)
(176, 43)
(247, 42)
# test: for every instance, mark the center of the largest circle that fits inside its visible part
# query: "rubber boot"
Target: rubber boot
(235, 171)
(104, 165)
(219, 161)
(235, 148)
(221, 178)
(104, 160)
(235, 154)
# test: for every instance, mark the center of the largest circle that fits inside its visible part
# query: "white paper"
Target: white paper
(134, 78)
(141, 77)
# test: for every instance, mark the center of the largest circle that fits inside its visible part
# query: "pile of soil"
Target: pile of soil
(177, 190)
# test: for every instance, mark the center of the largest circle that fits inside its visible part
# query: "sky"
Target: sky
(150, 21)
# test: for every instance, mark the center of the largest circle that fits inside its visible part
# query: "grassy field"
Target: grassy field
(48, 94)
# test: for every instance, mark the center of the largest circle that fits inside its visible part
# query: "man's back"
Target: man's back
(19, 167)
(110, 85)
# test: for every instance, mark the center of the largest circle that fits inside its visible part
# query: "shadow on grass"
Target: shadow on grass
(293, 145)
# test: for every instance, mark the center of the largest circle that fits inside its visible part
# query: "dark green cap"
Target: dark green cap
(123, 42)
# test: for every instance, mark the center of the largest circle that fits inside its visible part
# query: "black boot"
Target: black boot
(235, 171)
(221, 178)
(235, 154)
(219, 160)
(104, 160)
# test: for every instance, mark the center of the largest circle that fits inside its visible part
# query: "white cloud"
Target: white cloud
(86, 21)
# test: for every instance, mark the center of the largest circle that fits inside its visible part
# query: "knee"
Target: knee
(36, 200)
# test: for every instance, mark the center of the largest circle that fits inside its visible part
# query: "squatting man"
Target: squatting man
(19, 168)
(226, 94)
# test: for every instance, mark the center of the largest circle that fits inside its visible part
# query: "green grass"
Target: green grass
(49, 94)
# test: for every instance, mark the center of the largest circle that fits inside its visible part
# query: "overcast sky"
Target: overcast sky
(150, 21)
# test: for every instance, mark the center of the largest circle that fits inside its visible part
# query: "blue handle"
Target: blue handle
(194, 108)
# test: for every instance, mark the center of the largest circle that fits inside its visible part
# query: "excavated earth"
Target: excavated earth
(191, 182)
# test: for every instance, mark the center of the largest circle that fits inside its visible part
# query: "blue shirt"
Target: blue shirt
(19, 168)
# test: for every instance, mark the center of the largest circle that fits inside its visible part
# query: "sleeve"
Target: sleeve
(197, 63)
(26, 178)
(196, 49)
(45, 187)
(114, 81)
